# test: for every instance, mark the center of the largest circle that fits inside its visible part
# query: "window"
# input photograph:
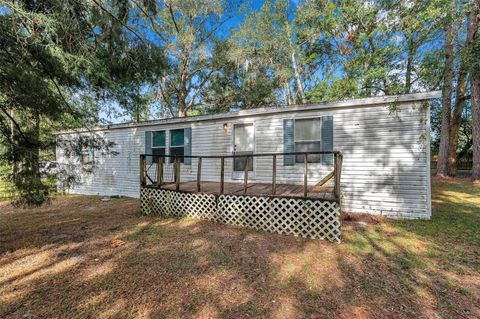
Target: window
(158, 144)
(87, 154)
(307, 139)
(177, 143)
(84, 157)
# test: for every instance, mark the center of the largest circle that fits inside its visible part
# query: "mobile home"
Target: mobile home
(385, 143)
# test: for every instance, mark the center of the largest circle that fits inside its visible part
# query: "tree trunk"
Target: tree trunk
(442, 167)
(460, 94)
(181, 111)
(182, 102)
(475, 91)
(409, 68)
(456, 120)
(288, 94)
(297, 78)
(294, 64)
(13, 149)
(475, 88)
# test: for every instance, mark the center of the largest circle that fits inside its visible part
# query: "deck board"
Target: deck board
(258, 189)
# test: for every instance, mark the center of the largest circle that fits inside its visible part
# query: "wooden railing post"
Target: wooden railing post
(305, 175)
(274, 175)
(177, 173)
(245, 175)
(337, 169)
(222, 173)
(199, 173)
(143, 170)
(160, 171)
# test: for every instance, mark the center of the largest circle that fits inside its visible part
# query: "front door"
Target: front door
(243, 144)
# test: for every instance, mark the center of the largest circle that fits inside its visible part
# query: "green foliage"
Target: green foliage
(380, 46)
(236, 87)
(59, 62)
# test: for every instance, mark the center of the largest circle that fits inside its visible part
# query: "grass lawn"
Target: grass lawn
(86, 258)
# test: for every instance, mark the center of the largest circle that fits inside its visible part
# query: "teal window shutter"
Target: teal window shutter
(288, 142)
(148, 146)
(187, 136)
(327, 140)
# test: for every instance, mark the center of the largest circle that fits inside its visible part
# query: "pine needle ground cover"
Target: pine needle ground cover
(87, 258)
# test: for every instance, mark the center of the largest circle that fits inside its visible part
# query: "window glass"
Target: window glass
(176, 143)
(176, 137)
(158, 139)
(244, 137)
(308, 147)
(239, 164)
(84, 158)
(307, 129)
(179, 151)
(307, 139)
(157, 151)
(158, 145)
(87, 154)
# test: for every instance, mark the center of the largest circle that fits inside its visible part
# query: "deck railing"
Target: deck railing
(161, 161)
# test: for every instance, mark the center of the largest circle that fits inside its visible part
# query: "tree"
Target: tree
(416, 30)
(442, 162)
(234, 86)
(261, 49)
(475, 88)
(357, 42)
(55, 70)
(187, 31)
(460, 93)
(364, 49)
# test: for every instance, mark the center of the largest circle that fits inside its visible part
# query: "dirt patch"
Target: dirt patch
(366, 219)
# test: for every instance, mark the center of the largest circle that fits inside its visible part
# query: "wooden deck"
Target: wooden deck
(255, 189)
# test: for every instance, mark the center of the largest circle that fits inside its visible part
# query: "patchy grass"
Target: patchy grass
(5, 190)
(8, 191)
(86, 258)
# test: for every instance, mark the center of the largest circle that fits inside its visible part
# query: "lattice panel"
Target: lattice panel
(172, 203)
(298, 217)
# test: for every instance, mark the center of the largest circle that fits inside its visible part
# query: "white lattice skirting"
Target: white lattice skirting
(298, 217)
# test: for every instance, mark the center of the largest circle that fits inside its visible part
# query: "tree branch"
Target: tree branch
(15, 123)
(200, 87)
(169, 105)
(173, 17)
(118, 20)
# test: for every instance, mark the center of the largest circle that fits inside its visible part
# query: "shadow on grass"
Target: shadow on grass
(61, 261)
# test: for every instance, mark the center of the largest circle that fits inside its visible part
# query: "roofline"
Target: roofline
(369, 101)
